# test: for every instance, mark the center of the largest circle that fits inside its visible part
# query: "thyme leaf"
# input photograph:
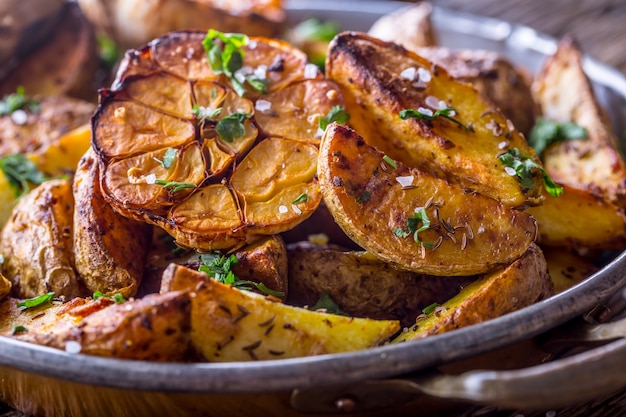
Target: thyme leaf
(174, 185)
(117, 297)
(430, 308)
(390, 162)
(427, 114)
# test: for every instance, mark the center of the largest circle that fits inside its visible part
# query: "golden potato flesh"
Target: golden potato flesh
(380, 80)
(170, 156)
(411, 219)
(228, 324)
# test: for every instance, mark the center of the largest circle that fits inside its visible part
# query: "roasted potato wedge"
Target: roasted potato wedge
(380, 79)
(133, 22)
(8, 198)
(458, 233)
(109, 249)
(5, 287)
(66, 63)
(154, 328)
(566, 94)
(580, 220)
(492, 75)
(518, 285)
(55, 118)
(233, 325)
(362, 285)
(235, 189)
(36, 243)
(408, 26)
(567, 268)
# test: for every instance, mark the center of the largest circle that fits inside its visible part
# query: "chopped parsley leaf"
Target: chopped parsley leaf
(21, 172)
(17, 101)
(328, 305)
(231, 127)
(36, 301)
(546, 132)
(523, 166)
(219, 267)
(169, 158)
(203, 113)
(117, 297)
(430, 308)
(316, 30)
(415, 224)
(18, 329)
(365, 197)
(337, 114)
(425, 114)
(225, 55)
(390, 162)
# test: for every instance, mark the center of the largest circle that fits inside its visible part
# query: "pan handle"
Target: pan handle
(567, 381)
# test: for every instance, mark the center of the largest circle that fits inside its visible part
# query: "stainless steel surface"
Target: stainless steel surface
(525, 47)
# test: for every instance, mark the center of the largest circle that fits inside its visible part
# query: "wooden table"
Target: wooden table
(600, 28)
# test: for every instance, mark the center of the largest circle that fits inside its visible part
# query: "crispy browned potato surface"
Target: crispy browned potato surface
(154, 328)
(36, 243)
(236, 189)
(493, 76)
(380, 79)
(464, 233)
(566, 95)
(362, 285)
(132, 23)
(520, 284)
(233, 325)
(109, 249)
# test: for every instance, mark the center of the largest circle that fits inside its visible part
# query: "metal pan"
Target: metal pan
(45, 381)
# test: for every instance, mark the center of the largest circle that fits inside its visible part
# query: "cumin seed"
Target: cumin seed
(223, 344)
(267, 322)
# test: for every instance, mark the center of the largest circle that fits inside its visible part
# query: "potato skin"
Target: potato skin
(264, 261)
(363, 285)
(37, 243)
(469, 233)
(370, 74)
(518, 285)
(154, 328)
(109, 249)
(566, 94)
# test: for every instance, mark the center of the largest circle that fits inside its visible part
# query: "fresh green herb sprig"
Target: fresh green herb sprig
(430, 308)
(416, 224)
(225, 54)
(302, 198)
(202, 114)
(117, 297)
(17, 329)
(327, 304)
(313, 29)
(523, 166)
(168, 158)
(17, 101)
(35, 301)
(337, 114)
(390, 162)
(219, 267)
(231, 127)
(175, 186)
(424, 115)
(21, 172)
(110, 53)
(546, 132)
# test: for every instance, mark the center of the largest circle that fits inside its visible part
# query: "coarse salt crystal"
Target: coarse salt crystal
(432, 101)
(405, 181)
(510, 125)
(252, 45)
(319, 133)
(283, 209)
(424, 111)
(310, 71)
(151, 179)
(73, 347)
(424, 75)
(296, 209)
(510, 171)
(19, 117)
(261, 72)
(263, 105)
(503, 144)
(408, 73)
